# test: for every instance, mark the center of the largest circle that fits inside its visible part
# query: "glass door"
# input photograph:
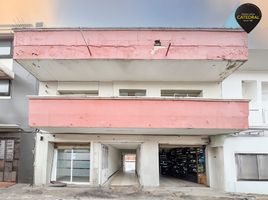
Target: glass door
(73, 165)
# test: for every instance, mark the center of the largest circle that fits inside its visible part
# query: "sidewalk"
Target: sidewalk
(25, 192)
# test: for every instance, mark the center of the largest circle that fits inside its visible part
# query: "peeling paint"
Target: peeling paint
(132, 44)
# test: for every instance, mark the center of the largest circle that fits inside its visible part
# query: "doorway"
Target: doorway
(182, 166)
(9, 157)
(129, 163)
(119, 166)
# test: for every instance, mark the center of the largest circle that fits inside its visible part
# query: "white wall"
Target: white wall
(7, 63)
(149, 164)
(223, 157)
(153, 89)
(43, 158)
(232, 89)
(243, 144)
(215, 167)
(114, 160)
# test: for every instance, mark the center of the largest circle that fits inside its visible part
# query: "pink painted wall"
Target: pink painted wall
(130, 44)
(138, 113)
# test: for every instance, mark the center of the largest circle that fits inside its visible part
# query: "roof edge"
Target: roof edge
(130, 29)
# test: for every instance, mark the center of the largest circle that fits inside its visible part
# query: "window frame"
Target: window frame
(10, 55)
(182, 91)
(9, 89)
(132, 90)
(258, 168)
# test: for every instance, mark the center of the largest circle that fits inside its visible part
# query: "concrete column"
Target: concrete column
(215, 167)
(95, 163)
(149, 164)
(42, 156)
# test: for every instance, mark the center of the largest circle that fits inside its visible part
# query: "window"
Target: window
(252, 167)
(181, 93)
(5, 87)
(6, 48)
(126, 92)
(79, 93)
(249, 91)
(264, 93)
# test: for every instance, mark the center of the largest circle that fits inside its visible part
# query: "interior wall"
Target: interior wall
(114, 160)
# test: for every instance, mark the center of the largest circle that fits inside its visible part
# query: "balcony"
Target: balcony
(138, 116)
(130, 54)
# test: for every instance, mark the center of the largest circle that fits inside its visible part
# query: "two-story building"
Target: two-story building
(156, 94)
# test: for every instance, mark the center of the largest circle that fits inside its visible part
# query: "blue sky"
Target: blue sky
(144, 13)
(134, 13)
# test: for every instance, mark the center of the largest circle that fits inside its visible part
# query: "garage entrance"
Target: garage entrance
(182, 166)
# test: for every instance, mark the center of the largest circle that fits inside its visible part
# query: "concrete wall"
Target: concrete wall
(14, 110)
(149, 164)
(222, 164)
(114, 160)
(232, 88)
(153, 89)
(43, 156)
(215, 167)
(138, 163)
(243, 144)
(192, 44)
(26, 158)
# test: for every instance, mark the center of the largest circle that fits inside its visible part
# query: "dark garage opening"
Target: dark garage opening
(182, 165)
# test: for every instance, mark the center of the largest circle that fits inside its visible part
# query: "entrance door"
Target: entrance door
(73, 165)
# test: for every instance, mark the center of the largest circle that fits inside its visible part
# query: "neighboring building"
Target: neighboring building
(155, 93)
(243, 157)
(16, 138)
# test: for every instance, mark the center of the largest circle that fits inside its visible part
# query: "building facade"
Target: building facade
(16, 138)
(245, 155)
(158, 94)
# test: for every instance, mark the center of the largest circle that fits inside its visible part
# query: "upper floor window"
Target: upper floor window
(79, 93)
(132, 92)
(5, 48)
(252, 167)
(5, 88)
(249, 91)
(181, 93)
(264, 92)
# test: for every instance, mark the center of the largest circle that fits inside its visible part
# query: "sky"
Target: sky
(134, 13)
